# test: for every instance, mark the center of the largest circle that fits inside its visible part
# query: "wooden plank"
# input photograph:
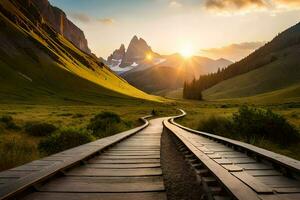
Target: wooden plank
(232, 154)
(135, 153)
(96, 196)
(85, 171)
(123, 166)
(128, 161)
(28, 168)
(215, 156)
(287, 190)
(223, 161)
(253, 182)
(110, 157)
(255, 166)
(15, 174)
(263, 172)
(242, 160)
(232, 168)
(279, 181)
(280, 197)
(96, 184)
(7, 180)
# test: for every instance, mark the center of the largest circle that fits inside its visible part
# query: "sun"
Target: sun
(149, 56)
(186, 51)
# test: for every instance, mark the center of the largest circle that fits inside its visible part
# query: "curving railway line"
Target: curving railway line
(128, 166)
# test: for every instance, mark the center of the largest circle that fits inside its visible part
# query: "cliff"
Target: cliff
(59, 21)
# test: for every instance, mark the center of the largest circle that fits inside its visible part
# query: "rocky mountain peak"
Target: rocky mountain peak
(137, 50)
(118, 54)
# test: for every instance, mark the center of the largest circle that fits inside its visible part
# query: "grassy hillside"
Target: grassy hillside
(39, 65)
(271, 68)
(277, 81)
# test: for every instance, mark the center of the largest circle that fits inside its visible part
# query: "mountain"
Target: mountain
(272, 72)
(171, 73)
(136, 51)
(117, 55)
(139, 60)
(38, 64)
(134, 57)
(61, 24)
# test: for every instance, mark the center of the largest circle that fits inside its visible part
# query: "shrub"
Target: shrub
(64, 139)
(104, 124)
(153, 112)
(251, 124)
(15, 151)
(257, 123)
(78, 115)
(9, 122)
(215, 125)
(6, 119)
(40, 129)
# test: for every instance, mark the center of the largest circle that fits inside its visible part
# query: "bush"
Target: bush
(215, 125)
(15, 151)
(64, 139)
(6, 119)
(263, 124)
(40, 129)
(78, 115)
(252, 125)
(9, 122)
(104, 124)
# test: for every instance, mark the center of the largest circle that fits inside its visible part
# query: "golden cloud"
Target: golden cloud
(232, 52)
(251, 5)
(106, 21)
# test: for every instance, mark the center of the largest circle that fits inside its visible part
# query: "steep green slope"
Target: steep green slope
(39, 65)
(275, 66)
(279, 80)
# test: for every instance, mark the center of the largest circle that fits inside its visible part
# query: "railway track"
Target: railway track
(127, 166)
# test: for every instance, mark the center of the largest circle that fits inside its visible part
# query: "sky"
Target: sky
(214, 28)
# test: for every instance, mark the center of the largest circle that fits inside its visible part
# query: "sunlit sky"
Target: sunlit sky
(214, 28)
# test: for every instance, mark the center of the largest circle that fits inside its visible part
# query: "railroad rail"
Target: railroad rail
(229, 169)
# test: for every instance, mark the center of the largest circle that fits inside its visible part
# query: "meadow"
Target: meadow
(18, 147)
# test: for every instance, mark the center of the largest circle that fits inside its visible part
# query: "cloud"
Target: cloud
(80, 17)
(242, 6)
(175, 4)
(106, 21)
(232, 52)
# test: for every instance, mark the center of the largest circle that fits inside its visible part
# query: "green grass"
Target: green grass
(276, 82)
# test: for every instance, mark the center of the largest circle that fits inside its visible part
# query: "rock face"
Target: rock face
(118, 54)
(59, 21)
(136, 53)
(137, 50)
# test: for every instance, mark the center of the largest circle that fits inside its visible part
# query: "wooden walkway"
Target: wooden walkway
(231, 169)
(129, 169)
(127, 166)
